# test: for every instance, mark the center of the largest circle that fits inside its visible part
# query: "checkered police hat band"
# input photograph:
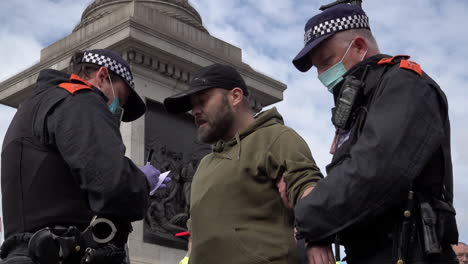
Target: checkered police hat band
(336, 25)
(111, 64)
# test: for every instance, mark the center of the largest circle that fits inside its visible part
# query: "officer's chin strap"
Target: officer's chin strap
(55, 245)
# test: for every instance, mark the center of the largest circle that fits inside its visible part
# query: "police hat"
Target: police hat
(135, 107)
(320, 27)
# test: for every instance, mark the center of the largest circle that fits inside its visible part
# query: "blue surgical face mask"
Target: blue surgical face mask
(116, 102)
(334, 75)
(115, 107)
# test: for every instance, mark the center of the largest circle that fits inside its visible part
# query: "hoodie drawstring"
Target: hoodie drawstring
(239, 144)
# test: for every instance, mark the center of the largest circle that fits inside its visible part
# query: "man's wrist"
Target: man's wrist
(307, 191)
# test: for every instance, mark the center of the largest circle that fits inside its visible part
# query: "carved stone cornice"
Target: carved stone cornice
(185, 5)
(173, 71)
(90, 19)
(184, 19)
(156, 64)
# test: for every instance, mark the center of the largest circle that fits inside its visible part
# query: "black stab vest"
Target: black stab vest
(38, 187)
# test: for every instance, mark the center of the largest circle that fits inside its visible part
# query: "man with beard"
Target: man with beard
(237, 214)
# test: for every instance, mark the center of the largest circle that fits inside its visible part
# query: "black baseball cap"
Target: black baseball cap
(135, 107)
(320, 27)
(213, 76)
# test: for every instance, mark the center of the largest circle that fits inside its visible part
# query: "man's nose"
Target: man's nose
(196, 110)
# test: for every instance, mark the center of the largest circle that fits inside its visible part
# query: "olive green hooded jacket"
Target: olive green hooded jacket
(237, 215)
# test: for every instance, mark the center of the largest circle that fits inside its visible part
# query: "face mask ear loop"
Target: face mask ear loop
(364, 54)
(346, 53)
(112, 86)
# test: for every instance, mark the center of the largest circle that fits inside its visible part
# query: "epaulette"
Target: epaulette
(75, 84)
(404, 63)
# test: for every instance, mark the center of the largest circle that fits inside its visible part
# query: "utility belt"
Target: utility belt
(433, 220)
(96, 244)
(424, 231)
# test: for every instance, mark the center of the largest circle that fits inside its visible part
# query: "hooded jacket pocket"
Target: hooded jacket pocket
(241, 241)
(229, 247)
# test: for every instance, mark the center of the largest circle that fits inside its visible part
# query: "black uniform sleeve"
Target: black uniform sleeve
(89, 140)
(404, 126)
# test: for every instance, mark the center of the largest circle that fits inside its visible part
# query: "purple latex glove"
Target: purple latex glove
(152, 175)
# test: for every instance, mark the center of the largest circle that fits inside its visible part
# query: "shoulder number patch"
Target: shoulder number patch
(412, 66)
(75, 84)
(73, 87)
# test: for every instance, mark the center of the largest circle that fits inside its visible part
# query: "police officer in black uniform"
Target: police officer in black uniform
(63, 162)
(388, 194)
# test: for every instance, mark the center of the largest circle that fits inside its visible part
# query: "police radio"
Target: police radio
(346, 101)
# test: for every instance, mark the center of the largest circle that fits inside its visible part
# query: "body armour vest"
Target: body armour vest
(434, 181)
(38, 187)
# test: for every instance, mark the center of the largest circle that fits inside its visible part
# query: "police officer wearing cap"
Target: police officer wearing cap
(388, 194)
(63, 161)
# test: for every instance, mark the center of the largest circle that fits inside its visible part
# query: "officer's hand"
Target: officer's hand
(320, 254)
(283, 190)
(152, 175)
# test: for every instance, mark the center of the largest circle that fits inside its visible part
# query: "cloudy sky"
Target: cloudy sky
(270, 34)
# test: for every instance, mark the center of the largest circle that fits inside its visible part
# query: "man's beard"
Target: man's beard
(218, 125)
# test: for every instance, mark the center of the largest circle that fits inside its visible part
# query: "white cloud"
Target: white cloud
(27, 26)
(270, 34)
(29, 53)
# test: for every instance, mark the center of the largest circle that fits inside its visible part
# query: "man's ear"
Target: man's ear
(237, 96)
(361, 45)
(101, 76)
